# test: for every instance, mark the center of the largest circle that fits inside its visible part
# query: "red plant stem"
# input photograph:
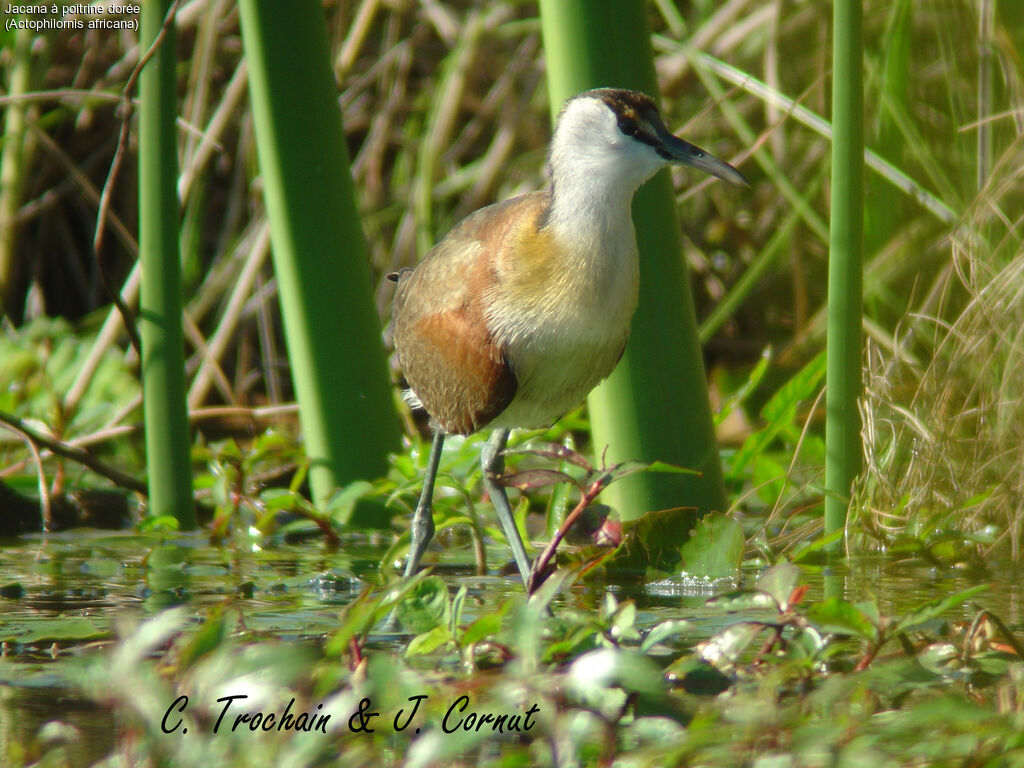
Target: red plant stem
(540, 565)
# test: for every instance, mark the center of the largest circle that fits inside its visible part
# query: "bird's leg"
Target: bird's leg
(422, 527)
(493, 464)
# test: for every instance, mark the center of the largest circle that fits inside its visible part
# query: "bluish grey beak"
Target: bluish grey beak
(685, 153)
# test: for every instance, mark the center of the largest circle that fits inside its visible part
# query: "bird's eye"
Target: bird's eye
(629, 128)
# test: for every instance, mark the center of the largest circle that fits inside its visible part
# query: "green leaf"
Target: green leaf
(624, 622)
(663, 631)
(158, 523)
(730, 643)
(49, 630)
(715, 548)
(278, 499)
(599, 670)
(629, 467)
(426, 607)
(933, 609)
(429, 641)
(836, 615)
(698, 677)
(806, 548)
(214, 631)
(484, 626)
(779, 581)
(744, 600)
(342, 504)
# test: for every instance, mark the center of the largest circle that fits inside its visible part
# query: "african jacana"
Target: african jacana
(525, 305)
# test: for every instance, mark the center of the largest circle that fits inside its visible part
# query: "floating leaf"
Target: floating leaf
(58, 630)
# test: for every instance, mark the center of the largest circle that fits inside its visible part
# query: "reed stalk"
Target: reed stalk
(168, 460)
(845, 274)
(320, 257)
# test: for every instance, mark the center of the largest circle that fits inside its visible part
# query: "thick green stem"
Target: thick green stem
(846, 274)
(160, 305)
(320, 256)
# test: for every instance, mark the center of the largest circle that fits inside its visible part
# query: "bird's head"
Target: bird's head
(620, 136)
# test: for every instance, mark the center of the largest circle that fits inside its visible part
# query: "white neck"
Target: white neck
(594, 170)
(588, 212)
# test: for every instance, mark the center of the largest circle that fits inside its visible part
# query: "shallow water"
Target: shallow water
(77, 588)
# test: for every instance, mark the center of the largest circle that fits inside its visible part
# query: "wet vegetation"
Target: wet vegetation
(125, 639)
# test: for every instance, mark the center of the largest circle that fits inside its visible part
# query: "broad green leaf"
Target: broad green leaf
(836, 615)
(277, 499)
(624, 622)
(779, 581)
(715, 548)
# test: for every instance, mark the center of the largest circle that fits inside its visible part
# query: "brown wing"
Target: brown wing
(459, 375)
(450, 360)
